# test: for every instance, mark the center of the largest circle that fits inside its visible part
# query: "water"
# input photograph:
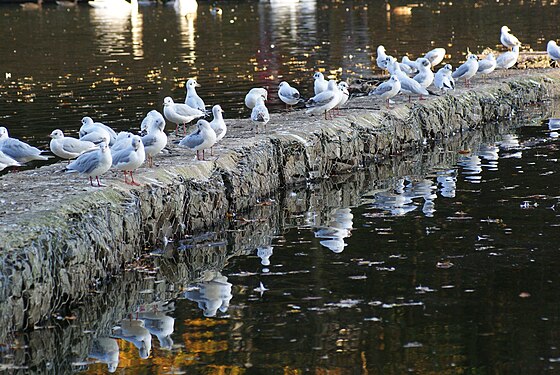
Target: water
(441, 262)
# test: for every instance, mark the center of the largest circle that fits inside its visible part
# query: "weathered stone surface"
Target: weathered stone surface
(59, 237)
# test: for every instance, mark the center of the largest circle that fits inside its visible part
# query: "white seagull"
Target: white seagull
(408, 85)
(288, 94)
(388, 89)
(68, 147)
(179, 113)
(381, 59)
(344, 94)
(192, 99)
(507, 39)
(425, 76)
(487, 65)
(89, 126)
(260, 114)
(443, 79)
(553, 50)
(93, 164)
(253, 95)
(218, 124)
(18, 150)
(202, 138)
(130, 159)
(156, 139)
(123, 141)
(507, 59)
(467, 70)
(319, 83)
(325, 101)
(435, 56)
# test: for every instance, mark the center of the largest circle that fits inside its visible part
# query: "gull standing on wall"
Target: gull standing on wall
(68, 147)
(179, 113)
(388, 89)
(253, 96)
(288, 94)
(18, 150)
(93, 164)
(443, 79)
(467, 70)
(260, 114)
(435, 56)
(325, 101)
(202, 138)
(553, 50)
(218, 125)
(192, 99)
(156, 139)
(130, 159)
(507, 39)
(319, 83)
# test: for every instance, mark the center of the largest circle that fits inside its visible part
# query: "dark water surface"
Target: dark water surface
(441, 262)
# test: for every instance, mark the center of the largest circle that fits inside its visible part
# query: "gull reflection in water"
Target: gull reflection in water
(510, 144)
(265, 252)
(134, 331)
(400, 200)
(339, 228)
(211, 295)
(105, 350)
(185, 7)
(159, 324)
(448, 181)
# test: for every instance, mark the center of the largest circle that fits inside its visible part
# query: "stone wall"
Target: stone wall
(59, 238)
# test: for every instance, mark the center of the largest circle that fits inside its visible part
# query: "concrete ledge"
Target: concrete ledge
(59, 237)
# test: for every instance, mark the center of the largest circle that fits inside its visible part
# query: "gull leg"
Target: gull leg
(125, 179)
(91, 181)
(132, 177)
(98, 183)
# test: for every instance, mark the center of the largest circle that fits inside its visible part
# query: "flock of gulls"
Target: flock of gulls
(99, 148)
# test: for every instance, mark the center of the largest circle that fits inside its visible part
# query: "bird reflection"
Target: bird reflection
(134, 331)
(400, 201)
(448, 181)
(339, 228)
(105, 350)
(471, 167)
(160, 325)
(265, 252)
(212, 295)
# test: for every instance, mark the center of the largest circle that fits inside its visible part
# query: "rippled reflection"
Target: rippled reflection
(211, 295)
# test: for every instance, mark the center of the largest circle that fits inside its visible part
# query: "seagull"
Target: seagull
(507, 39)
(93, 163)
(156, 139)
(130, 158)
(192, 99)
(408, 85)
(435, 56)
(344, 94)
(319, 84)
(151, 117)
(6, 161)
(388, 89)
(443, 79)
(507, 59)
(467, 70)
(288, 94)
(218, 124)
(18, 150)
(123, 141)
(260, 113)
(425, 76)
(381, 59)
(179, 113)
(253, 95)
(99, 136)
(325, 101)
(68, 147)
(202, 138)
(553, 50)
(408, 67)
(89, 126)
(487, 65)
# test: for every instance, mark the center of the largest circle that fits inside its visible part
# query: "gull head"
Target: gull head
(505, 29)
(284, 83)
(3, 132)
(424, 62)
(318, 75)
(217, 109)
(448, 67)
(87, 121)
(168, 101)
(203, 124)
(136, 142)
(343, 85)
(57, 134)
(394, 78)
(472, 57)
(104, 147)
(192, 83)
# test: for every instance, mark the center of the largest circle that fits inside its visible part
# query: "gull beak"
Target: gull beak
(197, 85)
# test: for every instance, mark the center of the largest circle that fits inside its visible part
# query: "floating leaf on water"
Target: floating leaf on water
(524, 295)
(413, 344)
(444, 264)
(372, 319)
